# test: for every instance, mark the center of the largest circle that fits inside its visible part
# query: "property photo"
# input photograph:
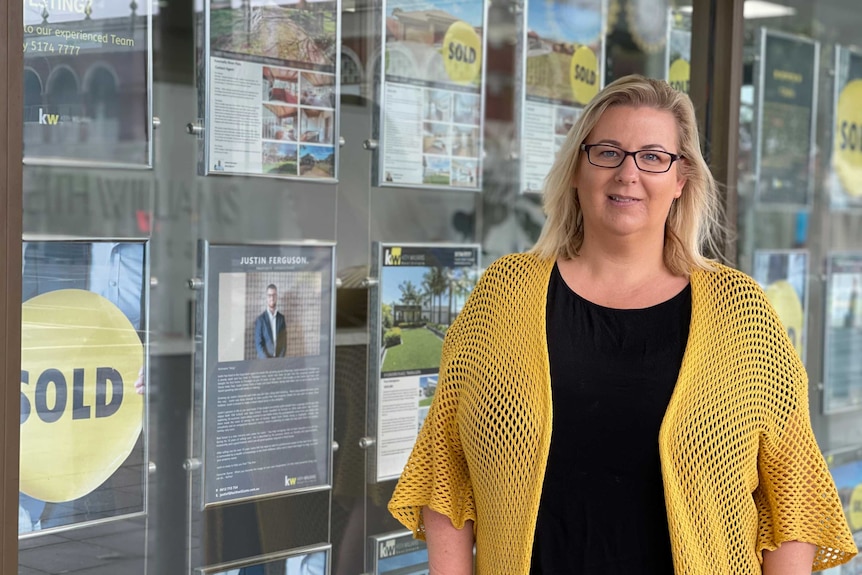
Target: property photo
(279, 158)
(279, 122)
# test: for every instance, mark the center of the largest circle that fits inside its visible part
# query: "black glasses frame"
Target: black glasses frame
(673, 157)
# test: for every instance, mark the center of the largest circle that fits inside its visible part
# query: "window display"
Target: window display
(272, 88)
(87, 83)
(83, 382)
(783, 275)
(308, 562)
(421, 291)
(267, 369)
(562, 48)
(786, 106)
(432, 95)
(398, 553)
(846, 174)
(842, 346)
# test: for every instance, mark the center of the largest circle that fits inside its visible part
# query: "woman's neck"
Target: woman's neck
(632, 278)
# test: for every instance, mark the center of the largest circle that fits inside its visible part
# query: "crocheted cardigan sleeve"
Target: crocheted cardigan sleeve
(436, 473)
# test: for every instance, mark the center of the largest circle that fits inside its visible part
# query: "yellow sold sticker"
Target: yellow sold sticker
(847, 149)
(80, 414)
(679, 75)
(584, 75)
(462, 53)
(855, 514)
(783, 297)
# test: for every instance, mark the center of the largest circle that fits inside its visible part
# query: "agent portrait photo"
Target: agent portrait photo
(270, 329)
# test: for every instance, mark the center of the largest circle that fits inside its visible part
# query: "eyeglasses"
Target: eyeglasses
(607, 156)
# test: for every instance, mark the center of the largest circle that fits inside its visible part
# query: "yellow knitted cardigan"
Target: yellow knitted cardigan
(741, 469)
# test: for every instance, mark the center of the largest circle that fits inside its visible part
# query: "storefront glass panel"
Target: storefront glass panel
(233, 169)
(799, 219)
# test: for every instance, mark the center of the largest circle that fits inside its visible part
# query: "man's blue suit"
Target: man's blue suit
(264, 342)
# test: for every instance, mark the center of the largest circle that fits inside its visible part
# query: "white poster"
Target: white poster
(422, 290)
(563, 68)
(431, 95)
(272, 88)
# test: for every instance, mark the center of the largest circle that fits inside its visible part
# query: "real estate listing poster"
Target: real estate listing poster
(783, 275)
(562, 50)
(87, 83)
(422, 289)
(398, 553)
(268, 370)
(842, 353)
(845, 176)
(83, 383)
(786, 105)
(272, 88)
(846, 470)
(432, 94)
(309, 561)
(679, 50)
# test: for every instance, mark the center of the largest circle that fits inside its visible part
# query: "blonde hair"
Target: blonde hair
(694, 218)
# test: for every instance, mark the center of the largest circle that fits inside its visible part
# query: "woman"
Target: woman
(614, 401)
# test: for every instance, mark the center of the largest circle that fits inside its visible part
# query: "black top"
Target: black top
(612, 374)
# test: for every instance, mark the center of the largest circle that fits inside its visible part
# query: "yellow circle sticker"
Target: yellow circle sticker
(783, 297)
(679, 75)
(80, 414)
(584, 75)
(847, 155)
(855, 513)
(462, 53)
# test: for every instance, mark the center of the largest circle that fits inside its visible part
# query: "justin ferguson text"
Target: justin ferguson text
(272, 260)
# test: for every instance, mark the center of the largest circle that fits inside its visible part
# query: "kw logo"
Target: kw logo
(392, 257)
(48, 119)
(289, 481)
(387, 548)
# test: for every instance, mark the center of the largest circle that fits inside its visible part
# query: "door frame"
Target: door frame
(11, 216)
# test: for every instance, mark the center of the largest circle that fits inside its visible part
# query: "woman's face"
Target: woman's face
(626, 201)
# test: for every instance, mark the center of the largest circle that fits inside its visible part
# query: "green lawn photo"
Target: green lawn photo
(439, 179)
(288, 167)
(419, 349)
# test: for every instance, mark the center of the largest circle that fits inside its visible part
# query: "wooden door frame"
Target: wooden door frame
(716, 80)
(11, 212)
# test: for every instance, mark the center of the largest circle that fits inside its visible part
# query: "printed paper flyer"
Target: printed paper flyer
(786, 99)
(422, 290)
(842, 353)
(398, 553)
(87, 83)
(314, 562)
(845, 177)
(563, 69)
(83, 383)
(783, 275)
(432, 93)
(267, 394)
(846, 469)
(273, 88)
(679, 51)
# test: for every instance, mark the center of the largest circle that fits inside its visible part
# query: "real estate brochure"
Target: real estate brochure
(430, 124)
(272, 88)
(421, 291)
(562, 50)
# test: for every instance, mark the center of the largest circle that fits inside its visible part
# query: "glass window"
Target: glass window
(441, 126)
(800, 232)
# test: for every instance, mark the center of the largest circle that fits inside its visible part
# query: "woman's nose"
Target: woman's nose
(628, 171)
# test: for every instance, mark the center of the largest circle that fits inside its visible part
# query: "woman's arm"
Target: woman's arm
(791, 558)
(450, 550)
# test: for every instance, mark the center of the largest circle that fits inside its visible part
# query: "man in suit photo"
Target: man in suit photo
(270, 329)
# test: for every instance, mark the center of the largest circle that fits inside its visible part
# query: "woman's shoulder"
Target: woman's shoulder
(513, 278)
(723, 281)
(523, 265)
